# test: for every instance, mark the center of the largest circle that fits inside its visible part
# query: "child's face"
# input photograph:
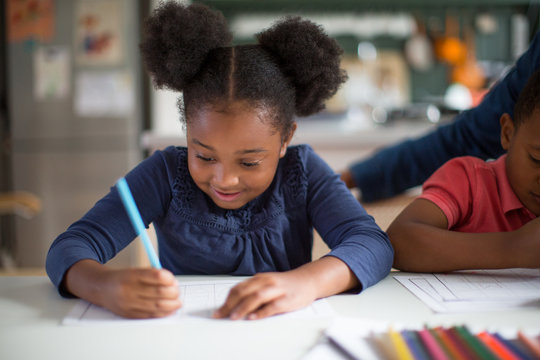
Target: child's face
(523, 159)
(233, 154)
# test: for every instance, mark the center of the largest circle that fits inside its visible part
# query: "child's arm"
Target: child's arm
(131, 293)
(267, 294)
(422, 243)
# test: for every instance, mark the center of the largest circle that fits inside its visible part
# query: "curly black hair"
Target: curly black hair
(292, 70)
(528, 100)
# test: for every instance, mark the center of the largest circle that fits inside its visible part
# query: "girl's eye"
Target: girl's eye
(203, 158)
(534, 160)
(250, 164)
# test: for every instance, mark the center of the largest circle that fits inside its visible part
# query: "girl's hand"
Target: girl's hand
(267, 294)
(131, 293)
(140, 293)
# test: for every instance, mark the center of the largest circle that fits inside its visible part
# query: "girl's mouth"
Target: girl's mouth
(229, 196)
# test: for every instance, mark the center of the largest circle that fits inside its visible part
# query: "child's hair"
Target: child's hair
(528, 100)
(292, 70)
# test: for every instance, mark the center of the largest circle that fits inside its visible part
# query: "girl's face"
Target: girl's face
(233, 154)
(523, 159)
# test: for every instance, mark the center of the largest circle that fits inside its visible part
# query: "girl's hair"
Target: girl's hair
(292, 70)
(528, 100)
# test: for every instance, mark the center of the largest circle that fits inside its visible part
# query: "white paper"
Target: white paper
(199, 299)
(473, 291)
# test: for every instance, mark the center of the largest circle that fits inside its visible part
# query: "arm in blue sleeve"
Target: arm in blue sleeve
(105, 229)
(474, 132)
(352, 234)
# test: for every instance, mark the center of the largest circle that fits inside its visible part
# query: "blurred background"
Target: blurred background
(77, 110)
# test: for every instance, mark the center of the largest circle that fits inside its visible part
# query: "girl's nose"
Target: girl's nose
(225, 177)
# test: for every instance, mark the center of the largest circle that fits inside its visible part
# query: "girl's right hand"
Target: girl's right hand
(141, 293)
(131, 293)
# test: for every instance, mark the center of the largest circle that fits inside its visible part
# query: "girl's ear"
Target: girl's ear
(507, 130)
(287, 141)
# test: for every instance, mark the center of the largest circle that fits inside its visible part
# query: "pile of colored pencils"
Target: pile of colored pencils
(457, 342)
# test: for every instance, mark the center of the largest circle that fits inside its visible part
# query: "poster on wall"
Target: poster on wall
(30, 19)
(98, 32)
(51, 73)
(104, 93)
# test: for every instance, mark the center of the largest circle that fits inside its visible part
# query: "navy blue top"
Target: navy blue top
(273, 232)
(474, 132)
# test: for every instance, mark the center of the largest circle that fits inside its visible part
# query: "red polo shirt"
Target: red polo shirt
(476, 196)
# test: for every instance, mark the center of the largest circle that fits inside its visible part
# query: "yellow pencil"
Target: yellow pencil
(400, 345)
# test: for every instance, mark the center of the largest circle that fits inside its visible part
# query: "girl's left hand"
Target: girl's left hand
(267, 294)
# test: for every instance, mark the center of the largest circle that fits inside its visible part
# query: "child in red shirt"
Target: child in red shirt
(474, 214)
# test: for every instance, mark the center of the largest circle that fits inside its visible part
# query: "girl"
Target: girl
(237, 200)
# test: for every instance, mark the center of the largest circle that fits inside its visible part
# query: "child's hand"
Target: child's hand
(528, 240)
(267, 294)
(140, 293)
(132, 293)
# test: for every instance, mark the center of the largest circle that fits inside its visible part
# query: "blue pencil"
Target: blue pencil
(136, 220)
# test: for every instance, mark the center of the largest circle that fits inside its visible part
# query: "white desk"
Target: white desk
(31, 312)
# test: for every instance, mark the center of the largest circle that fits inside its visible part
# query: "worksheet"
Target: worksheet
(479, 290)
(199, 299)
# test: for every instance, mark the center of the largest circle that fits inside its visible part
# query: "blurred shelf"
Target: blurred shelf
(231, 6)
(333, 134)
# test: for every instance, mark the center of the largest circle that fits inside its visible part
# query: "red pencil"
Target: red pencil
(452, 348)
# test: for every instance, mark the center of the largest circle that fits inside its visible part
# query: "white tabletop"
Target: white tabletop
(31, 312)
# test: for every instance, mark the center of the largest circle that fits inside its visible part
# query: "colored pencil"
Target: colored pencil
(532, 344)
(475, 344)
(453, 348)
(496, 347)
(400, 345)
(384, 345)
(136, 220)
(464, 345)
(415, 345)
(435, 350)
(513, 347)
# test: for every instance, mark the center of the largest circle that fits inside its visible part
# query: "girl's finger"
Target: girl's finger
(159, 292)
(253, 301)
(139, 314)
(156, 306)
(236, 294)
(156, 277)
(273, 308)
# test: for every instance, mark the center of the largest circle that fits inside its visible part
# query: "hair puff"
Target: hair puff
(309, 57)
(178, 39)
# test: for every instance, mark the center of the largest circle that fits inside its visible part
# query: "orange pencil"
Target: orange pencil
(494, 345)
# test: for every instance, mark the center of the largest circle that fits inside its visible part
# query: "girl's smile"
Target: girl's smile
(226, 196)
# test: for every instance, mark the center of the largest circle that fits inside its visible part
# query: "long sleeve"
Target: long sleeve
(475, 132)
(105, 229)
(351, 234)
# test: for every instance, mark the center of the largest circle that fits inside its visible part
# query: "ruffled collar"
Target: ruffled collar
(196, 207)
